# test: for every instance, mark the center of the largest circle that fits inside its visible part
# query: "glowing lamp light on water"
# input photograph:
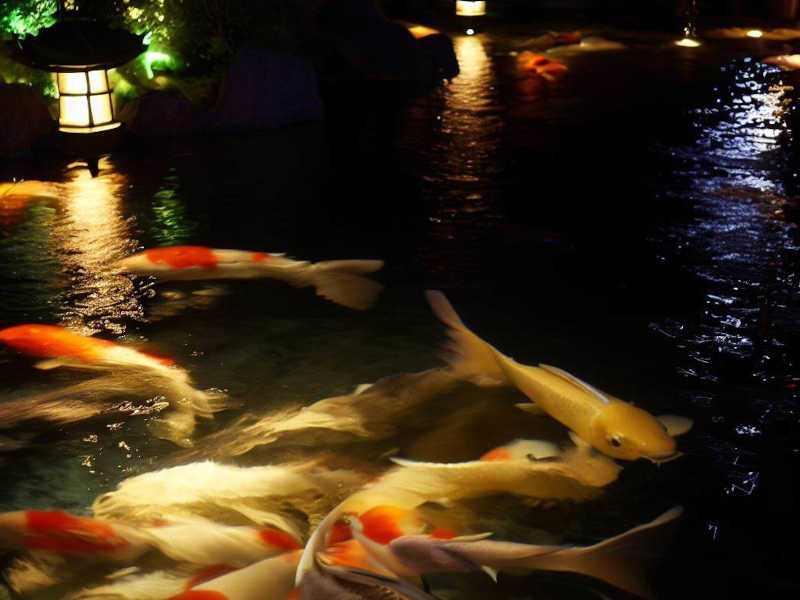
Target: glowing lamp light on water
(755, 33)
(85, 101)
(687, 43)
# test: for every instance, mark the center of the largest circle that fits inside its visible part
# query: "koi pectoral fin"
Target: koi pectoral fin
(675, 425)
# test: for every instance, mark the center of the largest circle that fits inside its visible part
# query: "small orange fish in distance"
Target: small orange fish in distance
(567, 37)
(341, 281)
(541, 65)
(61, 533)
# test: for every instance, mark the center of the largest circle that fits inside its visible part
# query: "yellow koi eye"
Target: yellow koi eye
(615, 441)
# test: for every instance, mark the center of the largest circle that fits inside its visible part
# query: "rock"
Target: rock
(160, 113)
(371, 46)
(438, 55)
(264, 90)
(25, 119)
(356, 41)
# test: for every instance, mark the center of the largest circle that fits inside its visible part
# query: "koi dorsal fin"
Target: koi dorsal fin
(591, 390)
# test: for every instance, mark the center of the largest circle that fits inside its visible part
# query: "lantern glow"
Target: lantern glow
(85, 101)
(470, 8)
(755, 33)
(687, 43)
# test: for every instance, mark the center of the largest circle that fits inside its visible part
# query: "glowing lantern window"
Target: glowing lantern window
(470, 8)
(85, 102)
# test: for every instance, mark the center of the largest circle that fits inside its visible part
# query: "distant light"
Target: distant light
(755, 33)
(470, 31)
(687, 43)
(470, 8)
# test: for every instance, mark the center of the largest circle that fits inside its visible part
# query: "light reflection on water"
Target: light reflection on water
(463, 160)
(740, 244)
(91, 234)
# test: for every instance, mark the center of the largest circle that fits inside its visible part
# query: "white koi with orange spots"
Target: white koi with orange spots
(341, 281)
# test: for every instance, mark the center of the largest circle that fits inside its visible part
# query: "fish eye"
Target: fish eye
(615, 441)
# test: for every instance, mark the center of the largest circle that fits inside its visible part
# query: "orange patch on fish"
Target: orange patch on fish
(50, 341)
(349, 554)
(443, 533)
(200, 595)
(293, 595)
(496, 454)
(339, 532)
(259, 256)
(279, 539)
(382, 523)
(183, 257)
(58, 531)
(209, 573)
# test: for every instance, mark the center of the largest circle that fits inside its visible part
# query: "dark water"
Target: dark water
(633, 222)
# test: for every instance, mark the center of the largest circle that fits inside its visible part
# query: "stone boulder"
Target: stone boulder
(353, 39)
(161, 113)
(438, 56)
(25, 119)
(265, 90)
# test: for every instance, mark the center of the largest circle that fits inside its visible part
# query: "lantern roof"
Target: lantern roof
(79, 44)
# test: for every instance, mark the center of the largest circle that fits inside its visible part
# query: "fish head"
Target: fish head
(624, 431)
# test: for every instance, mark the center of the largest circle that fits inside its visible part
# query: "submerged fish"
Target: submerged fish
(540, 65)
(61, 533)
(618, 560)
(577, 474)
(341, 281)
(224, 493)
(610, 425)
(196, 541)
(61, 347)
(789, 62)
(269, 579)
(371, 412)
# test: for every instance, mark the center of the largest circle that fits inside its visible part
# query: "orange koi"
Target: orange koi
(61, 533)
(537, 64)
(62, 347)
(49, 341)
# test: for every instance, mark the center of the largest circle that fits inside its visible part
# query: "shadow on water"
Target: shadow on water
(633, 222)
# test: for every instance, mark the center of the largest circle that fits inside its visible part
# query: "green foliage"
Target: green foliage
(211, 31)
(13, 72)
(26, 17)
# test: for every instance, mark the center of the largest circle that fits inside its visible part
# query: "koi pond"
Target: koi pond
(632, 221)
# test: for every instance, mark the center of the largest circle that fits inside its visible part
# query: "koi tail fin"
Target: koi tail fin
(177, 425)
(620, 560)
(343, 282)
(468, 355)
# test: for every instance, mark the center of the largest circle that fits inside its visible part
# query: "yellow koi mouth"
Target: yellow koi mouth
(660, 459)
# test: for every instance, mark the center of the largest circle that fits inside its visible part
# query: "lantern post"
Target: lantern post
(470, 15)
